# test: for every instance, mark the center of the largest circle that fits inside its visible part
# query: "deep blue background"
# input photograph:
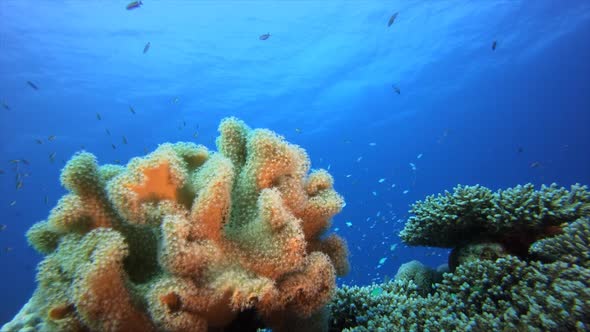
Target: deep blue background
(323, 80)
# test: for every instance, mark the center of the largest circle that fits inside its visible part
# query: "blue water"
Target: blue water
(323, 79)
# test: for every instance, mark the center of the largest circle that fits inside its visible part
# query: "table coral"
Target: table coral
(185, 239)
(515, 217)
(504, 294)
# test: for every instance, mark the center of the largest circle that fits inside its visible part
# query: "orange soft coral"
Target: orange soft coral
(185, 239)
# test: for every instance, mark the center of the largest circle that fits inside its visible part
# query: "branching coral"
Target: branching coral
(542, 284)
(186, 239)
(503, 294)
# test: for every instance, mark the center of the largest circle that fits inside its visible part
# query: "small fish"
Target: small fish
(24, 161)
(195, 135)
(2, 227)
(535, 164)
(46, 199)
(33, 85)
(405, 192)
(38, 141)
(52, 156)
(51, 138)
(298, 130)
(381, 180)
(413, 166)
(131, 109)
(14, 161)
(419, 156)
(8, 249)
(113, 146)
(117, 161)
(146, 47)
(349, 224)
(175, 100)
(396, 89)
(108, 132)
(134, 5)
(124, 140)
(19, 185)
(5, 106)
(264, 36)
(520, 149)
(13, 203)
(494, 45)
(392, 19)
(98, 116)
(372, 144)
(382, 260)
(183, 123)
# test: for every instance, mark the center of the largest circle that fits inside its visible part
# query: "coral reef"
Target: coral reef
(514, 217)
(185, 239)
(503, 294)
(421, 275)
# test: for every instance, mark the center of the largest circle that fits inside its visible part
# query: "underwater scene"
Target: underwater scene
(257, 165)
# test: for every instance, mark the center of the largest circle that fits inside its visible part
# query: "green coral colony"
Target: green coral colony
(185, 239)
(520, 261)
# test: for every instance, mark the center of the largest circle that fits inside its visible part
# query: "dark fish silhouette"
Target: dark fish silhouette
(134, 5)
(32, 85)
(264, 36)
(98, 116)
(146, 48)
(6, 107)
(494, 44)
(396, 89)
(131, 109)
(392, 19)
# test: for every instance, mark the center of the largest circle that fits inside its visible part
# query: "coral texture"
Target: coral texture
(515, 217)
(503, 294)
(185, 239)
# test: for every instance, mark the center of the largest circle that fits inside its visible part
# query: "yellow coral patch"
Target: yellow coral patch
(157, 185)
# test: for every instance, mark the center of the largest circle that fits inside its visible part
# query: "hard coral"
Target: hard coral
(515, 217)
(186, 239)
